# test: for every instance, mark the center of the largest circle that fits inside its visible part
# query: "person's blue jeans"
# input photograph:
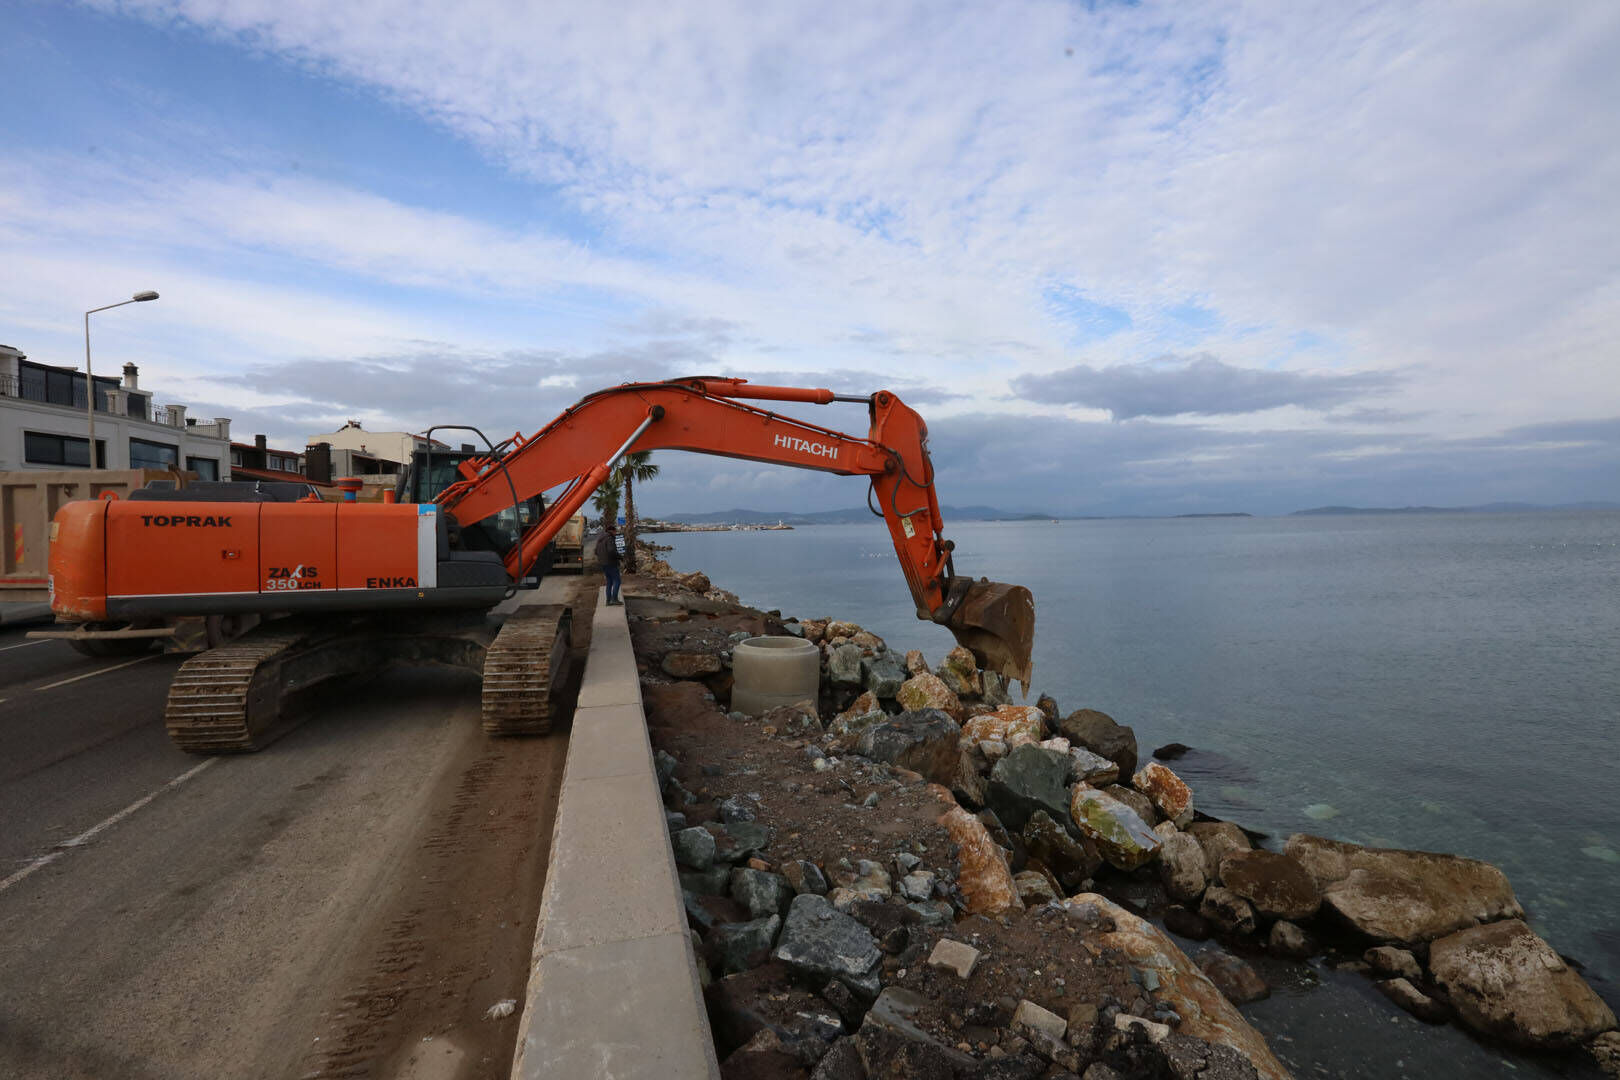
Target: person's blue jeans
(611, 573)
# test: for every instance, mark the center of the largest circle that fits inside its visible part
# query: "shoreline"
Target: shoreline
(1236, 914)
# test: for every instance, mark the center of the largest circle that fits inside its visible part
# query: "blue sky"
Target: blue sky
(1145, 258)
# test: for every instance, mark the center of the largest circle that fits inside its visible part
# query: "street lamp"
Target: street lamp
(89, 378)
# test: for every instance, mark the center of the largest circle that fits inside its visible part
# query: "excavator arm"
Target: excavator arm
(580, 448)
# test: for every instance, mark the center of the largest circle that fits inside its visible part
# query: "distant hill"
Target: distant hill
(841, 517)
(1487, 508)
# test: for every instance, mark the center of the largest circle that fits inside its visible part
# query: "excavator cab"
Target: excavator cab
(427, 476)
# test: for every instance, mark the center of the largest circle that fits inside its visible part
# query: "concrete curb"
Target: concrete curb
(613, 988)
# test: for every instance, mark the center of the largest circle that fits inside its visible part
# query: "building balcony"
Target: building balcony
(113, 401)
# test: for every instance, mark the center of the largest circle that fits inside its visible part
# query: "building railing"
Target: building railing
(133, 406)
(116, 402)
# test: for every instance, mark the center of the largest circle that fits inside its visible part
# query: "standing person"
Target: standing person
(607, 553)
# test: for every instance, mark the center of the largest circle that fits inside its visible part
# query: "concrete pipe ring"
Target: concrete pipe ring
(771, 671)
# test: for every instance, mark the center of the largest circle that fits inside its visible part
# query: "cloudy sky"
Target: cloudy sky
(1138, 258)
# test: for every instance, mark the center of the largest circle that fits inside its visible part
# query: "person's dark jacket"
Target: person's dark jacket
(607, 552)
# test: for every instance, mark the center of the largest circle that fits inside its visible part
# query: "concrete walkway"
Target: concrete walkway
(613, 991)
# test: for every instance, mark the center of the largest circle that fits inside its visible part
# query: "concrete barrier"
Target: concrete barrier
(613, 989)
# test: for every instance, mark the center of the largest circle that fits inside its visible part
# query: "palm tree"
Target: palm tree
(606, 499)
(636, 466)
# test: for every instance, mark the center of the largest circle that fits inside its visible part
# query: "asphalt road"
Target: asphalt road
(328, 906)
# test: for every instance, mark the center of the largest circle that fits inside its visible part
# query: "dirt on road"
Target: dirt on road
(453, 936)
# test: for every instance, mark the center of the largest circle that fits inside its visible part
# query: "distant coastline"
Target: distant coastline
(1486, 508)
(749, 519)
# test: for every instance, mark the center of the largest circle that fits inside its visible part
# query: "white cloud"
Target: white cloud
(1410, 187)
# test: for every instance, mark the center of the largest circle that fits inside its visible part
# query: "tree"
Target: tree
(636, 466)
(606, 499)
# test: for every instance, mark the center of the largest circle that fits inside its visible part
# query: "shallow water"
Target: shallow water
(1448, 682)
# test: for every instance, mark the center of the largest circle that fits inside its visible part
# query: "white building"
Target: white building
(389, 446)
(43, 423)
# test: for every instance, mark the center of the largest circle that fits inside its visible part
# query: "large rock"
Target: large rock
(1277, 885)
(1099, 733)
(968, 783)
(823, 943)
(1605, 1053)
(1506, 982)
(844, 665)
(1122, 837)
(737, 947)
(1049, 843)
(1181, 864)
(894, 1046)
(1286, 939)
(1227, 911)
(1088, 768)
(995, 690)
(1027, 780)
(1033, 888)
(916, 662)
(959, 672)
(884, 675)
(738, 840)
(1170, 794)
(694, 848)
(690, 665)
(1401, 991)
(868, 641)
(1407, 897)
(925, 691)
(1237, 980)
(1008, 726)
(923, 740)
(804, 876)
(1135, 800)
(862, 713)
(761, 892)
(1393, 963)
(985, 881)
(1205, 1012)
(1218, 839)
(1402, 896)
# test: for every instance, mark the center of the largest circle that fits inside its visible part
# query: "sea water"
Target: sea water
(1449, 682)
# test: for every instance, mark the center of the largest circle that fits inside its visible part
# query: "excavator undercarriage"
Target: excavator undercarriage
(237, 697)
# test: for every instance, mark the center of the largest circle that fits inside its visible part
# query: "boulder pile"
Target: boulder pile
(1053, 816)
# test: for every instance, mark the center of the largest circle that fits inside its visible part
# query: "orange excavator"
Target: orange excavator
(348, 587)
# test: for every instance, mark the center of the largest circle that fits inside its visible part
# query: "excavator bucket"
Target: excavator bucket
(996, 623)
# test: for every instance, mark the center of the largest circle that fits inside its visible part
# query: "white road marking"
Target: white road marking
(24, 645)
(95, 830)
(98, 671)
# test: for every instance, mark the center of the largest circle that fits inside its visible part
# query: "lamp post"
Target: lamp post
(89, 378)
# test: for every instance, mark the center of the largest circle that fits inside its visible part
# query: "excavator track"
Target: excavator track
(235, 698)
(226, 700)
(529, 660)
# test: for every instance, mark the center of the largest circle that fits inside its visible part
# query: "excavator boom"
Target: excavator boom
(579, 449)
